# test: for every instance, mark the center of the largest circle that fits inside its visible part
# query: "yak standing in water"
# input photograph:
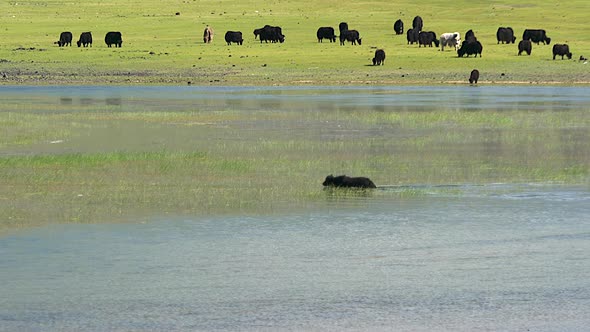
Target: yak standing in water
(344, 181)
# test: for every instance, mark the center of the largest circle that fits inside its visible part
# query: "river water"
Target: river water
(494, 256)
(302, 98)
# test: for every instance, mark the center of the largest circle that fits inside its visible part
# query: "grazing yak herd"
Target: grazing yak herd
(471, 46)
(111, 38)
(274, 34)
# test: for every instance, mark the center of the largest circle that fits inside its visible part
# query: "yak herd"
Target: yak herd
(274, 34)
(85, 40)
(469, 46)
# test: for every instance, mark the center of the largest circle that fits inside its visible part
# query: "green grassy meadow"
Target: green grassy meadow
(160, 47)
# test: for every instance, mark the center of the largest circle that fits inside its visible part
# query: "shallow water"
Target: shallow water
(302, 98)
(417, 257)
(494, 257)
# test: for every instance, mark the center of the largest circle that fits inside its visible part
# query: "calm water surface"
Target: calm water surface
(459, 258)
(302, 98)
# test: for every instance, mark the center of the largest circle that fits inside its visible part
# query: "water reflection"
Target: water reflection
(113, 101)
(88, 101)
(491, 142)
(379, 99)
(66, 100)
(347, 195)
(572, 142)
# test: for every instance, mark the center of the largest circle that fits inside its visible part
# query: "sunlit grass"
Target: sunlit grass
(163, 48)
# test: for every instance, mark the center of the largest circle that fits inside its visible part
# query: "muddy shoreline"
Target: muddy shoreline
(15, 76)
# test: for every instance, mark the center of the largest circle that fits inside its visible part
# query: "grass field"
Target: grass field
(160, 47)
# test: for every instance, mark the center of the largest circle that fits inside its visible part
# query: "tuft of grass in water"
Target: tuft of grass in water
(25, 129)
(83, 187)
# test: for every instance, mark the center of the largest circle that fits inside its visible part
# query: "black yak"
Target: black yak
(326, 33)
(348, 182)
(234, 37)
(379, 58)
(113, 38)
(65, 39)
(470, 48)
(505, 35)
(536, 36)
(525, 46)
(474, 76)
(85, 39)
(398, 27)
(561, 49)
